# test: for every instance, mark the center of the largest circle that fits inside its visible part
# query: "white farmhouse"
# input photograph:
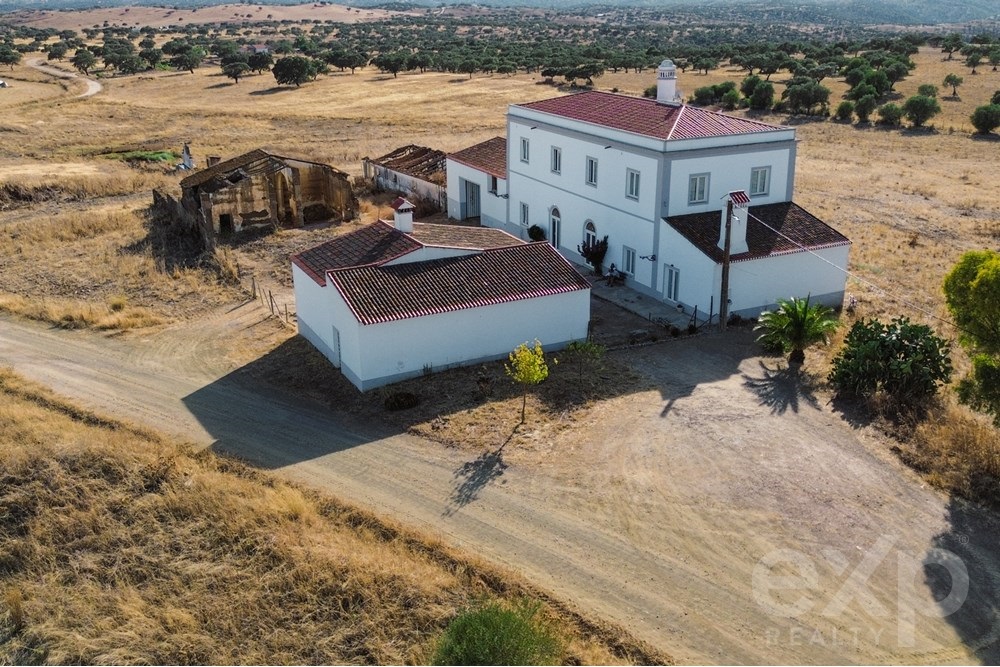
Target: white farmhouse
(655, 177)
(391, 301)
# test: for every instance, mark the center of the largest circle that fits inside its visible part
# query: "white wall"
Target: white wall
(626, 222)
(493, 207)
(394, 180)
(397, 350)
(313, 312)
(754, 285)
(757, 284)
(728, 173)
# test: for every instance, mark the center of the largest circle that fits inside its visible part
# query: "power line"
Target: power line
(855, 276)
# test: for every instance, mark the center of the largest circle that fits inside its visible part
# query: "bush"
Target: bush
(762, 97)
(401, 400)
(904, 361)
(920, 109)
(890, 114)
(845, 111)
(498, 634)
(986, 118)
(865, 107)
(594, 253)
(650, 92)
(731, 100)
(536, 233)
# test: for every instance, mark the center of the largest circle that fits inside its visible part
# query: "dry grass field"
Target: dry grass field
(119, 546)
(159, 16)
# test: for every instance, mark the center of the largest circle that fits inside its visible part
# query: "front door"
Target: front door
(471, 204)
(671, 282)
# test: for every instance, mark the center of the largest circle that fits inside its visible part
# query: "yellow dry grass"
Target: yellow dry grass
(120, 546)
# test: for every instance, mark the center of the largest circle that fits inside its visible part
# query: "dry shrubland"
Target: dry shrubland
(119, 546)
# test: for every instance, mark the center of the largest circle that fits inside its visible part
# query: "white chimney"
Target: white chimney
(738, 228)
(403, 217)
(666, 84)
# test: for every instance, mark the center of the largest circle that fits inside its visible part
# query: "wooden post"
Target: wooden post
(253, 287)
(270, 301)
(724, 297)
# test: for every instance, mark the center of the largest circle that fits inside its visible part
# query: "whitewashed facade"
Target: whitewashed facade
(596, 164)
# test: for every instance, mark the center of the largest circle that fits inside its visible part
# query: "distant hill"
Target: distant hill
(849, 12)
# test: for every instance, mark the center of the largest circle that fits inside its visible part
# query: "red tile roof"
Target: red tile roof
(254, 161)
(646, 117)
(381, 242)
(489, 156)
(799, 226)
(372, 244)
(461, 236)
(379, 294)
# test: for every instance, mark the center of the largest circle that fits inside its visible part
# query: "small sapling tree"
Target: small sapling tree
(527, 367)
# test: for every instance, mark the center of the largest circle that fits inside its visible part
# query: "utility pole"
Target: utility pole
(724, 299)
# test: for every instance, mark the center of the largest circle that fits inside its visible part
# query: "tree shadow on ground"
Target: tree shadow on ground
(782, 388)
(224, 84)
(968, 547)
(473, 476)
(273, 90)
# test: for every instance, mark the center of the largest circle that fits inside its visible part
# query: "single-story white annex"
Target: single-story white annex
(413, 171)
(477, 185)
(392, 301)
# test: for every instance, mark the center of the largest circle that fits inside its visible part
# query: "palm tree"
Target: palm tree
(794, 326)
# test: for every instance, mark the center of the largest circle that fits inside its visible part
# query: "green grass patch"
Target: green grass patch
(144, 156)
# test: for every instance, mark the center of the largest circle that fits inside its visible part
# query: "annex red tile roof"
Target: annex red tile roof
(461, 236)
(646, 117)
(801, 227)
(381, 242)
(372, 244)
(489, 156)
(377, 294)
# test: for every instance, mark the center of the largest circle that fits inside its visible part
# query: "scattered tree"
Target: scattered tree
(973, 60)
(972, 292)
(57, 51)
(762, 97)
(189, 59)
(83, 60)
(986, 118)
(927, 90)
(527, 367)
(235, 70)
(865, 107)
(794, 326)
(954, 81)
(920, 109)
(901, 360)
(260, 61)
(293, 69)
(951, 43)
(9, 56)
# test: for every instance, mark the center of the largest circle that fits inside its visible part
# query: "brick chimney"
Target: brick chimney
(738, 230)
(666, 84)
(403, 217)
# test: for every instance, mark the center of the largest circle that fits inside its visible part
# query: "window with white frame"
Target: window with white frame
(589, 233)
(591, 171)
(698, 189)
(524, 149)
(493, 184)
(631, 183)
(760, 180)
(556, 160)
(628, 260)
(524, 214)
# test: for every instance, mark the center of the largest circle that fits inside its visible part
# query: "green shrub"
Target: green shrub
(890, 114)
(986, 118)
(536, 233)
(902, 360)
(499, 634)
(845, 111)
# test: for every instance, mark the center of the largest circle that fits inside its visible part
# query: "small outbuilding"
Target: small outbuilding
(477, 184)
(262, 189)
(413, 171)
(394, 300)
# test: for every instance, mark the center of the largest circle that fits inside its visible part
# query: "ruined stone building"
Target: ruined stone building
(261, 189)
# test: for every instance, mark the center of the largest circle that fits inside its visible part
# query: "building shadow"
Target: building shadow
(970, 544)
(257, 414)
(782, 388)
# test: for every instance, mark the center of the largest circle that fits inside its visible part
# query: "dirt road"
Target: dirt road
(93, 86)
(728, 517)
